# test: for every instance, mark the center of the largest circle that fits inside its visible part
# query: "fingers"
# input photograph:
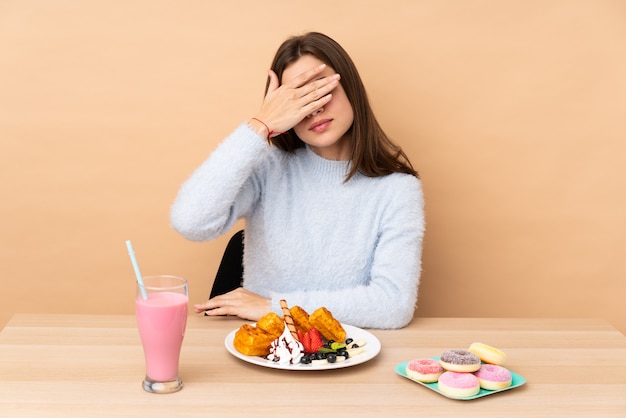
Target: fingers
(209, 305)
(239, 302)
(227, 299)
(274, 82)
(209, 309)
(201, 307)
(226, 311)
(317, 104)
(320, 88)
(306, 76)
(307, 81)
(284, 106)
(315, 95)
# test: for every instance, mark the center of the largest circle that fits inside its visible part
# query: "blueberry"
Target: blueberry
(320, 356)
(305, 360)
(348, 341)
(331, 357)
(355, 346)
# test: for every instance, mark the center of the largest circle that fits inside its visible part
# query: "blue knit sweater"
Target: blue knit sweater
(311, 238)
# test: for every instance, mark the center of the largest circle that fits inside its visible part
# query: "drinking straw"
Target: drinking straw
(133, 260)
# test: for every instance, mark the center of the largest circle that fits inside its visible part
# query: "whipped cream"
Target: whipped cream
(285, 349)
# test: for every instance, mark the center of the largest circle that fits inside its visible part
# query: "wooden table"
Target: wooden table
(92, 366)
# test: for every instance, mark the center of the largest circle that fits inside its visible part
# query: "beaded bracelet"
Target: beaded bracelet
(269, 132)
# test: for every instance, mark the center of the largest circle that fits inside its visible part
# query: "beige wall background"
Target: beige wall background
(511, 110)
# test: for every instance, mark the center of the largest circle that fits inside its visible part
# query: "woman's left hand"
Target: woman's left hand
(239, 302)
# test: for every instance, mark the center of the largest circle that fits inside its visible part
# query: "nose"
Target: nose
(317, 112)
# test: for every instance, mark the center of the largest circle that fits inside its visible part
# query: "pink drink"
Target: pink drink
(161, 320)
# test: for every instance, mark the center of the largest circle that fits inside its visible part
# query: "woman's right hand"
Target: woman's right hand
(286, 105)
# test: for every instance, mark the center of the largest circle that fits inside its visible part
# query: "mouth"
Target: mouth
(320, 125)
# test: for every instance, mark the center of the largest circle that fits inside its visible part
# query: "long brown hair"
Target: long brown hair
(373, 152)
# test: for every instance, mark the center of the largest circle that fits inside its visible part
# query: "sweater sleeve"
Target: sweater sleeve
(389, 297)
(222, 189)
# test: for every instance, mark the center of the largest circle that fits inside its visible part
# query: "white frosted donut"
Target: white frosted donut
(488, 354)
(424, 370)
(458, 385)
(459, 361)
(493, 377)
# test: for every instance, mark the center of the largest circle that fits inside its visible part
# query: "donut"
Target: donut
(493, 377)
(458, 385)
(459, 361)
(424, 370)
(488, 354)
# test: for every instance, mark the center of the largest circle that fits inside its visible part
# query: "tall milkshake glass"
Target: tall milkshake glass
(161, 308)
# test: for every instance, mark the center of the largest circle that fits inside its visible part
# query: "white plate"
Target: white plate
(371, 350)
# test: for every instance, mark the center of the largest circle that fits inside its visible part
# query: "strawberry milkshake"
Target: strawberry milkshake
(161, 320)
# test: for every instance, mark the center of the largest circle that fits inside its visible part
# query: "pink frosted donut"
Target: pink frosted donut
(458, 385)
(493, 377)
(459, 361)
(424, 370)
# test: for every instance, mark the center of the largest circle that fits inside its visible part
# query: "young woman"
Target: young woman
(333, 208)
